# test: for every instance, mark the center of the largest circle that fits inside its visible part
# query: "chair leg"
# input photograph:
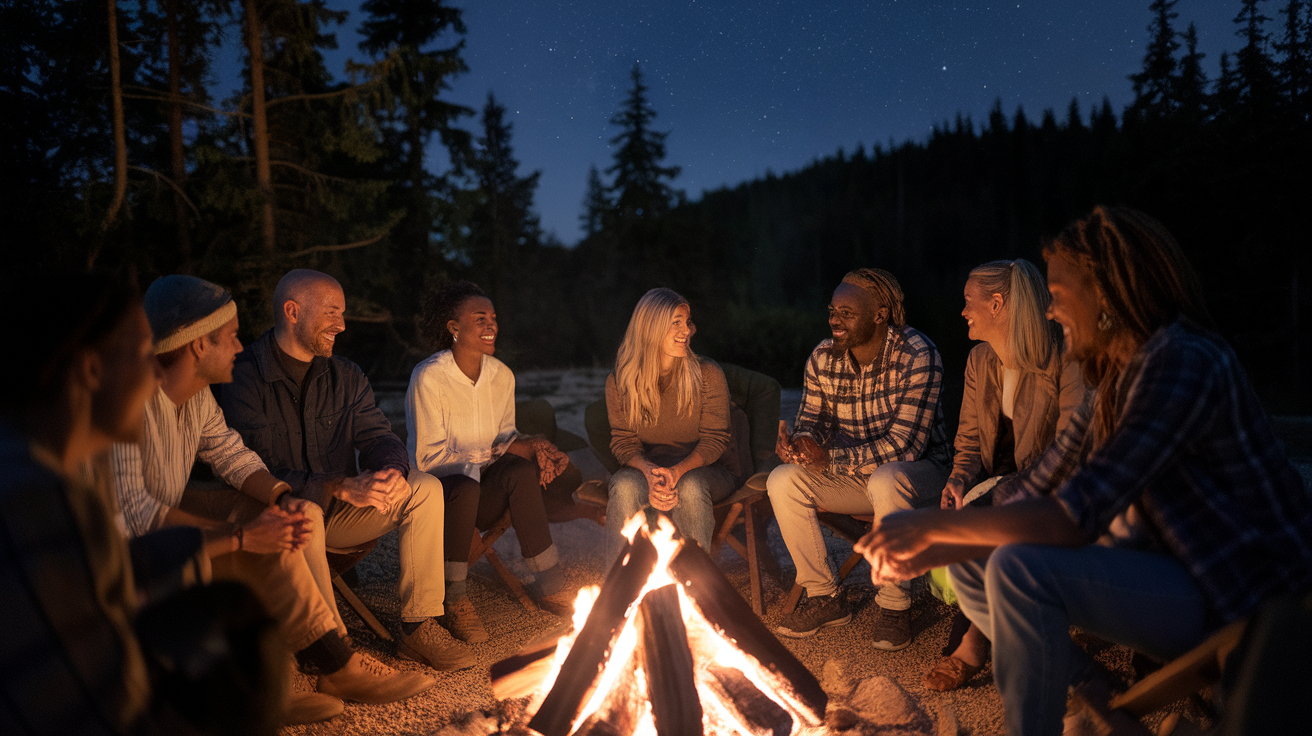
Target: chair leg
(726, 528)
(794, 595)
(510, 580)
(851, 562)
(360, 608)
(753, 565)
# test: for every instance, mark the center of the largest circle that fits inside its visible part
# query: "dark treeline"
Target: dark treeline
(299, 170)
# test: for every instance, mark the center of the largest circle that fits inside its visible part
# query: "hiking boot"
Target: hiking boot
(302, 708)
(366, 680)
(462, 621)
(433, 645)
(814, 614)
(560, 603)
(892, 630)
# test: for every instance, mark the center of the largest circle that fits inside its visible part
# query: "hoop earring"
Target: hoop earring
(1105, 322)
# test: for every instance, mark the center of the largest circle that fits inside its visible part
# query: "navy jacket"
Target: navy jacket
(309, 445)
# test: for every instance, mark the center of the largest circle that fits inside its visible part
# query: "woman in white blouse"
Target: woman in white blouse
(460, 414)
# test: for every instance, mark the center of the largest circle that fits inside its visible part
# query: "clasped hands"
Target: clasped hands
(801, 450)
(283, 527)
(551, 461)
(899, 546)
(381, 489)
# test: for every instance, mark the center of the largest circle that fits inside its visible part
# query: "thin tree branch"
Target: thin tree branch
(185, 101)
(171, 183)
(297, 167)
(323, 95)
(345, 246)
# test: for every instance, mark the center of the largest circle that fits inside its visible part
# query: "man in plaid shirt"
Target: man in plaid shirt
(869, 439)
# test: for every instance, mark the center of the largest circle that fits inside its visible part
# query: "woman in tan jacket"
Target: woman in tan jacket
(1020, 392)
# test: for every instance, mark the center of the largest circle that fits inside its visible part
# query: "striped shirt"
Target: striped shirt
(149, 479)
(1193, 451)
(885, 412)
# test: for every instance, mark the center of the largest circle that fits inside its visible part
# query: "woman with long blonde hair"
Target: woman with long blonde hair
(669, 419)
(1020, 392)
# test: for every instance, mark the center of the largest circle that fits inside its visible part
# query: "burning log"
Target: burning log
(578, 674)
(762, 714)
(667, 662)
(521, 674)
(725, 610)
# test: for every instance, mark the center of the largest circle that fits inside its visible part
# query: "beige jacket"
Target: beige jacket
(1044, 402)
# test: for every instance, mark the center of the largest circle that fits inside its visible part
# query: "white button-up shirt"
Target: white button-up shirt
(457, 426)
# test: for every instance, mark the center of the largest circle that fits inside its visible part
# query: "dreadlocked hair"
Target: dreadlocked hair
(441, 306)
(1145, 281)
(884, 288)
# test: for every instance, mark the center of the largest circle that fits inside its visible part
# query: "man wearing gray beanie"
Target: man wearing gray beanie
(259, 534)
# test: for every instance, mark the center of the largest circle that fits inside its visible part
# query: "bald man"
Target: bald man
(312, 418)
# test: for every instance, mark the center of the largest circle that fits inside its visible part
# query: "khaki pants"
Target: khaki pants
(796, 492)
(420, 519)
(287, 584)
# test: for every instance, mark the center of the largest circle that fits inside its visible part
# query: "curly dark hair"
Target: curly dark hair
(441, 306)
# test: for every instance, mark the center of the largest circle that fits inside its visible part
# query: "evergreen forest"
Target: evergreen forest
(116, 156)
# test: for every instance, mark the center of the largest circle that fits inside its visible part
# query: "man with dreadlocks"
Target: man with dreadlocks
(1173, 435)
(869, 439)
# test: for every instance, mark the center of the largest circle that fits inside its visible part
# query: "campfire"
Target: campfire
(665, 646)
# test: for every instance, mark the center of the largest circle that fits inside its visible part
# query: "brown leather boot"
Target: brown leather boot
(366, 680)
(463, 622)
(430, 643)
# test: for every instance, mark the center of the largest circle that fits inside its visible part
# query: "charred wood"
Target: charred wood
(667, 661)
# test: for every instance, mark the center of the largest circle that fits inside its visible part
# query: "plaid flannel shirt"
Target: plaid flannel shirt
(1194, 451)
(886, 412)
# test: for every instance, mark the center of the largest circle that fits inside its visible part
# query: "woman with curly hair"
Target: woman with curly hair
(669, 419)
(460, 414)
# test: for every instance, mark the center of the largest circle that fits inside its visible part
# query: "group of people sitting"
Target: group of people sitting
(1113, 470)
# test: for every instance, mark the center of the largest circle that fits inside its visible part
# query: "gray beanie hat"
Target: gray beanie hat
(182, 308)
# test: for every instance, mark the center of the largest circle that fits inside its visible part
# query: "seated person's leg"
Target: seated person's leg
(513, 482)
(461, 495)
(699, 490)
(1035, 593)
(795, 493)
(558, 496)
(898, 487)
(628, 496)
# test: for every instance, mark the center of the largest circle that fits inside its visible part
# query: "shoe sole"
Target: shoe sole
(804, 634)
(887, 646)
(405, 652)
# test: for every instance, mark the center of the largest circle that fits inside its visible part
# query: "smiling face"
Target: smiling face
(215, 365)
(986, 315)
(854, 317)
(1076, 306)
(679, 333)
(475, 326)
(321, 317)
(128, 375)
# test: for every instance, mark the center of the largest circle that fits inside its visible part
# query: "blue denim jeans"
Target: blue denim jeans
(699, 489)
(1025, 598)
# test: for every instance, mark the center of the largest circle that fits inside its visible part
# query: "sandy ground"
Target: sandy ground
(977, 706)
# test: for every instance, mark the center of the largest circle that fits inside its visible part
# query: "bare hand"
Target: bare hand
(783, 445)
(377, 489)
(954, 494)
(896, 539)
(272, 532)
(664, 495)
(810, 454)
(295, 507)
(551, 461)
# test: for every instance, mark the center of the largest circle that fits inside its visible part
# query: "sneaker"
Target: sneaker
(303, 708)
(462, 621)
(561, 603)
(892, 630)
(433, 645)
(814, 614)
(366, 680)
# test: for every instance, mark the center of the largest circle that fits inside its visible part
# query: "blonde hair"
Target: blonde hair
(884, 288)
(1032, 336)
(638, 364)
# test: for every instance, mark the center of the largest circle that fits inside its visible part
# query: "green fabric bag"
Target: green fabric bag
(941, 586)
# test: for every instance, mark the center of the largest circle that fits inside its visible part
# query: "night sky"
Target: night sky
(750, 86)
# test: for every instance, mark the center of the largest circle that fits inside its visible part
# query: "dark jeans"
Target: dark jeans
(509, 483)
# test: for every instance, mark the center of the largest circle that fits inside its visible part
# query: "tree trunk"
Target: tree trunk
(175, 134)
(120, 137)
(263, 176)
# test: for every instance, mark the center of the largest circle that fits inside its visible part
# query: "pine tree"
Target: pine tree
(502, 225)
(640, 183)
(1293, 45)
(1153, 88)
(1253, 67)
(596, 205)
(1191, 82)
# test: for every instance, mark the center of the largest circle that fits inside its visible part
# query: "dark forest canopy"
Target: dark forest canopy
(300, 169)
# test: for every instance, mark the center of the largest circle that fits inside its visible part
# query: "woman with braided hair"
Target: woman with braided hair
(1174, 429)
(460, 415)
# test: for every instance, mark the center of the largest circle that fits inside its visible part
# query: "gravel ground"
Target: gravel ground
(977, 706)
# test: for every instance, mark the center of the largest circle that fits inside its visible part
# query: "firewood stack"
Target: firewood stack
(677, 645)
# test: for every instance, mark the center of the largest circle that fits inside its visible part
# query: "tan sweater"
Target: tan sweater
(673, 437)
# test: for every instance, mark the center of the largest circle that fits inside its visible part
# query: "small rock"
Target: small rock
(841, 719)
(947, 724)
(834, 679)
(883, 702)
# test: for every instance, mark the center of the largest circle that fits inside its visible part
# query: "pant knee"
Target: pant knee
(785, 483)
(1015, 567)
(694, 487)
(628, 489)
